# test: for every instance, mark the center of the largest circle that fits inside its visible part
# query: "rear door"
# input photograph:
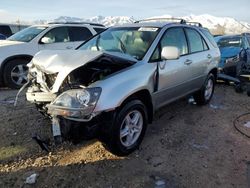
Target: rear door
(199, 57)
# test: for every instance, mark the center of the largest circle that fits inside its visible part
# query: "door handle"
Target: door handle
(188, 62)
(209, 56)
(69, 47)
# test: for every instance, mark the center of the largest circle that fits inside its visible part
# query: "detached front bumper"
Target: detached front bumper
(40, 97)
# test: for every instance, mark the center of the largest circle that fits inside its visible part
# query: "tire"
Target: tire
(125, 144)
(238, 88)
(15, 73)
(203, 96)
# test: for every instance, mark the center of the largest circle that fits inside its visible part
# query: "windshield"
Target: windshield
(134, 41)
(230, 42)
(27, 34)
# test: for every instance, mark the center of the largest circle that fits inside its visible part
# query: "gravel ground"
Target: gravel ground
(186, 146)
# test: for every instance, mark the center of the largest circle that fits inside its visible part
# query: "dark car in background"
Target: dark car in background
(235, 51)
(2, 37)
(6, 30)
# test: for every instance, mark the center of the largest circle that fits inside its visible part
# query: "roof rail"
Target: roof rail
(178, 20)
(89, 23)
(194, 23)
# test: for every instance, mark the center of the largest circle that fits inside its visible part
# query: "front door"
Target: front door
(173, 75)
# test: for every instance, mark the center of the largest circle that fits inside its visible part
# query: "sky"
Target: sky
(30, 10)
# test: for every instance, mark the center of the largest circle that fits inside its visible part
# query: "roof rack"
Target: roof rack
(89, 23)
(194, 23)
(178, 20)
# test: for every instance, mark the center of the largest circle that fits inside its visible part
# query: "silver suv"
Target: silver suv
(115, 81)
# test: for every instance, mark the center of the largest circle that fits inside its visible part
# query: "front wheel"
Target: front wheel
(15, 73)
(128, 129)
(204, 95)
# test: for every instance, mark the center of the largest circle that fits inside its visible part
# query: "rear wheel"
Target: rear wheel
(15, 73)
(128, 129)
(203, 96)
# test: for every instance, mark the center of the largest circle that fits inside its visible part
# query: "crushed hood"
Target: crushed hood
(64, 62)
(54, 61)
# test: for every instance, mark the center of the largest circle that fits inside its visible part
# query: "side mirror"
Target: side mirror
(170, 53)
(46, 40)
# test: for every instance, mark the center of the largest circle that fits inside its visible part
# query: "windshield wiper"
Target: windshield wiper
(97, 42)
(123, 48)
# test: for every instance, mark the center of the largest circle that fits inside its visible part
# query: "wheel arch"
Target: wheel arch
(145, 97)
(21, 56)
(214, 71)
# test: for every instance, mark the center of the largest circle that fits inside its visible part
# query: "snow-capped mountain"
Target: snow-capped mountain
(107, 21)
(220, 25)
(217, 25)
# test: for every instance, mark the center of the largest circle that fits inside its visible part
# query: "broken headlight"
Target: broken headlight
(75, 103)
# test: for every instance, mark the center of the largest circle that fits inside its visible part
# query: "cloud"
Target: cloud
(6, 17)
(175, 9)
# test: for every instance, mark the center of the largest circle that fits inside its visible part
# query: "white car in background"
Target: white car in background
(19, 49)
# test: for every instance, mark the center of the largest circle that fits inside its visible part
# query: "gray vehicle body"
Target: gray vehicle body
(163, 81)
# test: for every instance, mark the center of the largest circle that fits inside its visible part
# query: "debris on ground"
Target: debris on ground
(31, 179)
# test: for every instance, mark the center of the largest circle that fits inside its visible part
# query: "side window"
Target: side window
(245, 42)
(248, 38)
(172, 37)
(196, 43)
(175, 37)
(79, 34)
(58, 34)
(99, 29)
(205, 46)
(209, 37)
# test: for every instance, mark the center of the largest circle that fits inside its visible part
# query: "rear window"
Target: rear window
(5, 30)
(209, 37)
(230, 42)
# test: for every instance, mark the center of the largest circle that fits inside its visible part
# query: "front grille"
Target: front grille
(50, 79)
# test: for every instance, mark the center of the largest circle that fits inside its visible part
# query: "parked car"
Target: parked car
(9, 29)
(18, 50)
(2, 37)
(234, 50)
(115, 81)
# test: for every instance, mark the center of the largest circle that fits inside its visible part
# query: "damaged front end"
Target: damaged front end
(61, 83)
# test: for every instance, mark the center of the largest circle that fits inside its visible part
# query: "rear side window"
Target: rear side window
(196, 43)
(99, 30)
(5, 30)
(79, 33)
(209, 37)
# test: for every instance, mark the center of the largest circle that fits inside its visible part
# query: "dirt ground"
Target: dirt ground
(186, 146)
